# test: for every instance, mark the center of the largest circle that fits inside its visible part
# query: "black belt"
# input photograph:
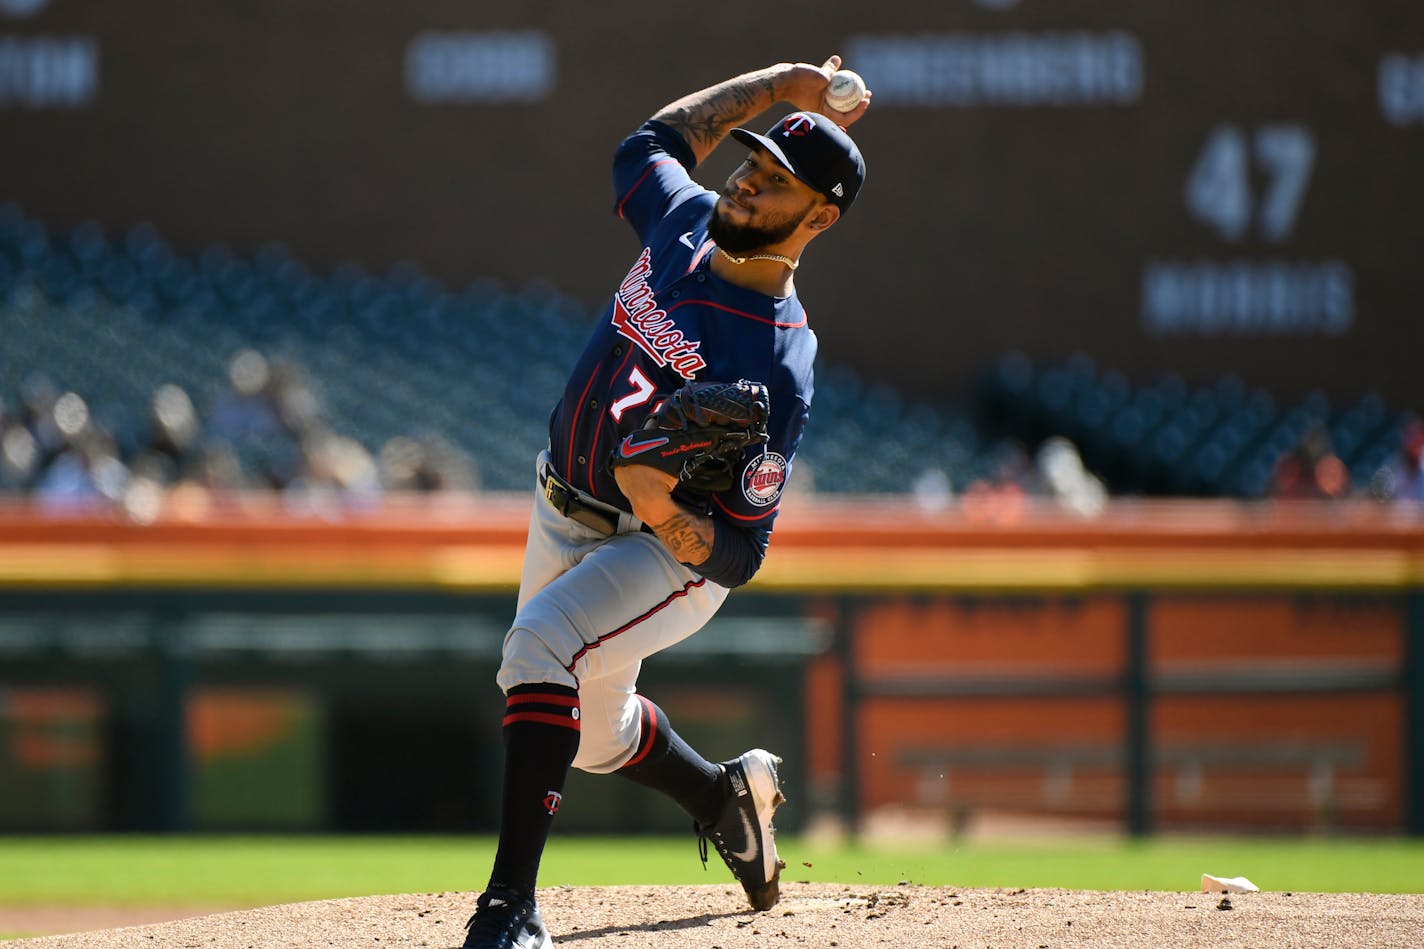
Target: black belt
(570, 502)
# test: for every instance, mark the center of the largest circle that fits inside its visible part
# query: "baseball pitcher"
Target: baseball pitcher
(668, 453)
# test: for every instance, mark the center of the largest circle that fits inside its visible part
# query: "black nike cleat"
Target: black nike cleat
(743, 834)
(505, 920)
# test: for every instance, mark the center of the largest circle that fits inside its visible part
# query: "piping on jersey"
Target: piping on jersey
(569, 464)
(744, 517)
(597, 429)
(701, 252)
(674, 595)
(742, 313)
(641, 178)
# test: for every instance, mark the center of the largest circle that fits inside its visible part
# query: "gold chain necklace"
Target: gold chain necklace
(793, 264)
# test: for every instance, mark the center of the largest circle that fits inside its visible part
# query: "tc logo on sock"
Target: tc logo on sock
(551, 802)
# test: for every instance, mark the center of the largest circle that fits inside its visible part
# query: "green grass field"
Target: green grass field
(251, 871)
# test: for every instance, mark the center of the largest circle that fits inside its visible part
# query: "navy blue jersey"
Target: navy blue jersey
(671, 321)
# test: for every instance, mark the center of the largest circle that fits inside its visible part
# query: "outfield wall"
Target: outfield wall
(1168, 665)
(1197, 188)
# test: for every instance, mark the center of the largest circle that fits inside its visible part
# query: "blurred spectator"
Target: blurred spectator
(172, 436)
(334, 469)
(265, 430)
(245, 409)
(297, 406)
(1001, 497)
(86, 470)
(932, 490)
(1311, 469)
(19, 454)
(268, 418)
(38, 395)
(1402, 477)
(425, 464)
(217, 468)
(1061, 469)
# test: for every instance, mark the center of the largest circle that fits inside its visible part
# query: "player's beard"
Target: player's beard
(752, 238)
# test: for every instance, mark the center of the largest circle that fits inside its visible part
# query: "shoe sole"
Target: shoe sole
(762, 780)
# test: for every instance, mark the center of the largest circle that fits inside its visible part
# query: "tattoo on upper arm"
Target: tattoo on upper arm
(688, 537)
(699, 123)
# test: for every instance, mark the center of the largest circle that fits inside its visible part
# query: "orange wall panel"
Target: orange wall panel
(988, 635)
(1276, 626)
(1005, 745)
(1277, 761)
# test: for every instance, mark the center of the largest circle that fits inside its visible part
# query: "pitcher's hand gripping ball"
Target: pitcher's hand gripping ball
(698, 434)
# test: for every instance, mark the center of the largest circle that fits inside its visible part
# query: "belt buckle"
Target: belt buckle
(556, 493)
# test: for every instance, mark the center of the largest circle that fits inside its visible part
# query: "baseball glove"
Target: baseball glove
(698, 434)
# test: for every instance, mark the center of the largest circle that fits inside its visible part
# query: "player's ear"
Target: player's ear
(823, 217)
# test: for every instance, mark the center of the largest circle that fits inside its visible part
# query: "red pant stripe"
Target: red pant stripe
(675, 595)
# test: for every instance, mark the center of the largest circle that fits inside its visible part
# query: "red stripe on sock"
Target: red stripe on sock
(543, 718)
(650, 731)
(543, 698)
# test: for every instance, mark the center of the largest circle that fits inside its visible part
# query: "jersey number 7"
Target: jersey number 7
(643, 390)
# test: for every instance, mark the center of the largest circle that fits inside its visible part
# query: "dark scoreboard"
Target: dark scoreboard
(1199, 187)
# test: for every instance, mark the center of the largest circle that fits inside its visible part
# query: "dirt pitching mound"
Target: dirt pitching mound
(818, 915)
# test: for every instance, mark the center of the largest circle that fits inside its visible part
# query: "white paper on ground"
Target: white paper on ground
(1211, 884)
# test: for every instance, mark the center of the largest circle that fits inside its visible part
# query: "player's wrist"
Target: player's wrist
(801, 84)
(648, 490)
(782, 77)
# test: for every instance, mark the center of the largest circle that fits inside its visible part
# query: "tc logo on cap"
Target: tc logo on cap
(797, 124)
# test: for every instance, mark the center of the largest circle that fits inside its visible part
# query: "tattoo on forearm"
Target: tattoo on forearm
(705, 117)
(687, 536)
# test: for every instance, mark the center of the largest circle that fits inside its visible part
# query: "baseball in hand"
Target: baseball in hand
(845, 91)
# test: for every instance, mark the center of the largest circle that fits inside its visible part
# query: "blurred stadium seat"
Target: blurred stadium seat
(114, 317)
(1164, 438)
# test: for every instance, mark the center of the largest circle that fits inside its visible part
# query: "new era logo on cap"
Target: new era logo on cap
(816, 150)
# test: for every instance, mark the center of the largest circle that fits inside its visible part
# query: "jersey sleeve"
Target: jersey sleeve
(651, 176)
(743, 515)
(756, 496)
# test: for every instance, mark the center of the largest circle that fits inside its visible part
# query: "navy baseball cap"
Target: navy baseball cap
(816, 150)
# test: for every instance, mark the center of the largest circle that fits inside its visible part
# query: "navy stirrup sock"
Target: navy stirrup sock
(541, 737)
(668, 764)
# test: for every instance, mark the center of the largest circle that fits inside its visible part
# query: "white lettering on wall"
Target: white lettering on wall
(19, 9)
(1219, 192)
(480, 67)
(1247, 298)
(1007, 69)
(46, 72)
(1401, 88)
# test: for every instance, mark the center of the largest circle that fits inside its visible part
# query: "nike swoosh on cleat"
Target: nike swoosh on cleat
(750, 854)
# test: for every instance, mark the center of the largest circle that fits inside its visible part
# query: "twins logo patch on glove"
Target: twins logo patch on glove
(699, 433)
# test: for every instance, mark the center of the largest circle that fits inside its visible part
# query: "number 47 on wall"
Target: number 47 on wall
(1219, 190)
